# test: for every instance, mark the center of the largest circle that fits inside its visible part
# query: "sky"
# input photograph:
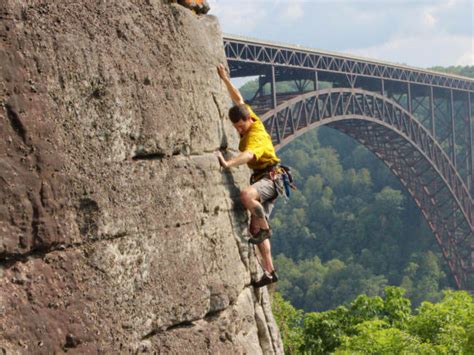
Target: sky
(420, 33)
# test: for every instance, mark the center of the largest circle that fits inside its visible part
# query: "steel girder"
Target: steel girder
(406, 147)
(441, 102)
(246, 56)
(420, 180)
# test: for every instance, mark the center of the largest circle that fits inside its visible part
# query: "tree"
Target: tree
(425, 269)
(383, 325)
(397, 309)
(289, 321)
(447, 323)
(377, 337)
(322, 332)
(467, 71)
(325, 161)
(353, 328)
(343, 285)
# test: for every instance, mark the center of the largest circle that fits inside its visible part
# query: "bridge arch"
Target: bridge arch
(405, 146)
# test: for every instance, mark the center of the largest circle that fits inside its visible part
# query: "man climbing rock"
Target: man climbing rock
(257, 151)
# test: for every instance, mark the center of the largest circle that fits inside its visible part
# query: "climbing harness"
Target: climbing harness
(283, 182)
(281, 177)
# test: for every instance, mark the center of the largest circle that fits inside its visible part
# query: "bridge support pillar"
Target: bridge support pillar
(409, 103)
(471, 134)
(274, 97)
(261, 84)
(453, 131)
(433, 132)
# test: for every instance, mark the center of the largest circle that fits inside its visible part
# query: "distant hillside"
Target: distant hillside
(467, 70)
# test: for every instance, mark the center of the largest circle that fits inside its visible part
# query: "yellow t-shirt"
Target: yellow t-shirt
(259, 142)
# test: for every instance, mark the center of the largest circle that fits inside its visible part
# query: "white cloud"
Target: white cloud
(451, 3)
(467, 58)
(428, 19)
(416, 32)
(422, 50)
(292, 11)
(239, 17)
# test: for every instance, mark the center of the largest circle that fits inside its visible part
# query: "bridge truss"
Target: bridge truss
(418, 122)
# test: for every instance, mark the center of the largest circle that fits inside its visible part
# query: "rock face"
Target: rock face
(119, 232)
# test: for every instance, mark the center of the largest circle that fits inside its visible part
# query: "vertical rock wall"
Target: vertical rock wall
(119, 232)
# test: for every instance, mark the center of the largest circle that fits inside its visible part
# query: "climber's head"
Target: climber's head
(241, 118)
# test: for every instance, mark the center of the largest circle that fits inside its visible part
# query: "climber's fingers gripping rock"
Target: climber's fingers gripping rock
(221, 69)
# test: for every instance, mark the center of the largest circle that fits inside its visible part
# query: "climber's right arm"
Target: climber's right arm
(242, 158)
(233, 91)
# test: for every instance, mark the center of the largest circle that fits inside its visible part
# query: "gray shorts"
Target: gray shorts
(268, 194)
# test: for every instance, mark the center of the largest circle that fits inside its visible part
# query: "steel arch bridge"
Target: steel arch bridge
(418, 122)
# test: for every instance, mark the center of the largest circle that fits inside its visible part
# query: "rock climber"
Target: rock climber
(257, 151)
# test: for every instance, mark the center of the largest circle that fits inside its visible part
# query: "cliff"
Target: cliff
(119, 232)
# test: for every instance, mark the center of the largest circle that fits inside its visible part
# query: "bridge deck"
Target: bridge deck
(253, 51)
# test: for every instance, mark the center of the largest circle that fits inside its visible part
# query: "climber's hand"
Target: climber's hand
(222, 71)
(221, 159)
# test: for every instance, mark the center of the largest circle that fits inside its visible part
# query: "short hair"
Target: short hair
(238, 112)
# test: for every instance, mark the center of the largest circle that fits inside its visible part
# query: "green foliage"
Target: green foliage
(376, 337)
(289, 322)
(422, 276)
(377, 325)
(350, 208)
(345, 284)
(299, 280)
(469, 345)
(467, 71)
(249, 89)
(323, 331)
(364, 308)
(446, 323)
(349, 329)
(310, 284)
(397, 309)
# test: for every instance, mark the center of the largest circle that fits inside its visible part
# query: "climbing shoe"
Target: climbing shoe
(266, 280)
(260, 236)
